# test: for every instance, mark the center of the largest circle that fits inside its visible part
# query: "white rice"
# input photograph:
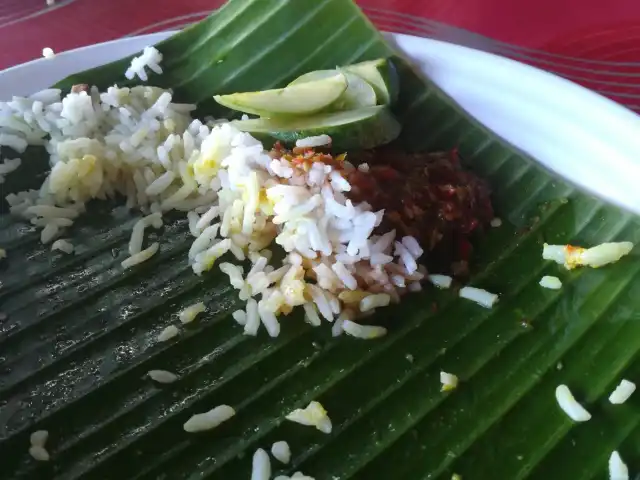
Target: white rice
(39, 454)
(281, 452)
(150, 58)
(162, 376)
(260, 466)
(168, 333)
(11, 140)
(160, 184)
(449, 381)
(374, 301)
(190, 313)
(310, 142)
(49, 232)
(207, 218)
(63, 245)
(618, 470)
(368, 332)
(268, 319)
(48, 52)
(411, 244)
(440, 281)
(208, 420)
(204, 241)
(314, 415)
(479, 296)
(570, 405)
(311, 314)
(253, 318)
(136, 142)
(598, 256)
(622, 392)
(137, 237)
(39, 438)
(240, 316)
(553, 283)
(141, 256)
(193, 218)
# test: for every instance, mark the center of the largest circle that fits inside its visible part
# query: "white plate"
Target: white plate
(581, 135)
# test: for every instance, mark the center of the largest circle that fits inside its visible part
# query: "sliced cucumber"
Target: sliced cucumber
(359, 94)
(301, 99)
(381, 75)
(354, 129)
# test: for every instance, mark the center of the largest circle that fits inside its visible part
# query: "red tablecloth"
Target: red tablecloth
(593, 43)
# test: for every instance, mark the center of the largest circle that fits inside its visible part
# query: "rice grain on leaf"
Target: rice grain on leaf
(281, 451)
(570, 405)
(622, 392)
(208, 420)
(190, 313)
(168, 333)
(260, 465)
(162, 376)
(313, 415)
(618, 470)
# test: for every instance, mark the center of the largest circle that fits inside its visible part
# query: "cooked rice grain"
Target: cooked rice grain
(570, 405)
(622, 392)
(281, 451)
(141, 256)
(190, 313)
(367, 332)
(162, 376)
(168, 333)
(39, 438)
(260, 465)
(208, 420)
(39, 453)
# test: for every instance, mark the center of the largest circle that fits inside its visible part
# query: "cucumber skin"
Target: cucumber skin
(390, 76)
(367, 134)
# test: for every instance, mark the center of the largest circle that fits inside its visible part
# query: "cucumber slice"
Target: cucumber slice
(302, 99)
(354, 129)
(381, 75)
(359, 94)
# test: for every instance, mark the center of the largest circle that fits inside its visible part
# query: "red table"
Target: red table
(587, 42)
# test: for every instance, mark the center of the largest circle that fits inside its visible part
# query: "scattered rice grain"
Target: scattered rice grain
(39, 438)
(622, 392)
(281, 452)
(441, 281)
(260, 466)
(190, 313)
(168, 333)
(62, 245)
(618, 470)
(449, 381)
(479, 296)
(553, 283)
(570, 405)
(162, 376)
(39, 453)
(208, 420)
(314, 415)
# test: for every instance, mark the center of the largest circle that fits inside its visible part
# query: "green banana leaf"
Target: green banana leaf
(80, 333)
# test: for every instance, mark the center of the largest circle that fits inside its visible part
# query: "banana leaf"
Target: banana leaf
(80, 333)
